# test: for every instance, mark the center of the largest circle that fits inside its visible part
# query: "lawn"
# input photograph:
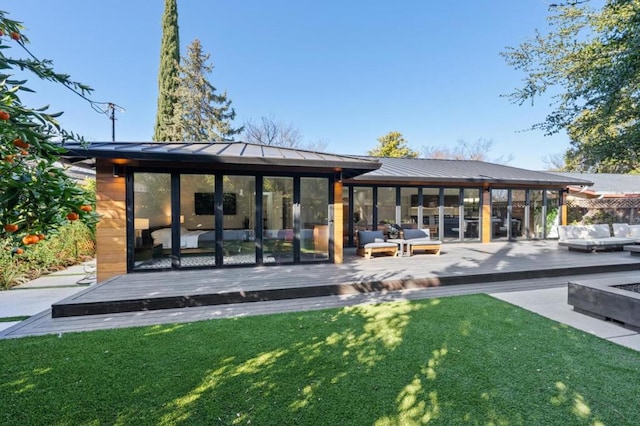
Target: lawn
(457, 360)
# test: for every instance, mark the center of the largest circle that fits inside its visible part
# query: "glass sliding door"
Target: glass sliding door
(471, 204)
(552, 219)
(386, 207)
(499, 214)
(409, 208)
(197, 224)
(536, 214)
(431, 211)
(151, 220)
(314, 219)
(238, 225)
(452, 228)
(278, 230)
(362, 208)
(518, 207)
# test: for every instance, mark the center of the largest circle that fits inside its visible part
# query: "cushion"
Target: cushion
(410, 234)
(634, 231)
(601, 230)
(366, 237)
(621, 229)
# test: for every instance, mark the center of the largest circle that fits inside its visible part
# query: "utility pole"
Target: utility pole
(111, 109)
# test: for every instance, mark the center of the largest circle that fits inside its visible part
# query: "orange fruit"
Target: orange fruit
(19, 143)
(72, 216)
(12, 227)
(24, 152)
(30, 239)
(19, 251)
(15, 35)
(41, 237)
(86, 208)
(4, 115)
(9, 158)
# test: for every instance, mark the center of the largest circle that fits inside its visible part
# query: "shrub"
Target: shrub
(72, 244)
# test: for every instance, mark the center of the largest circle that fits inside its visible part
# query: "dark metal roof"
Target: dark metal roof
(237, 153)
(468, 171)
(608, 183)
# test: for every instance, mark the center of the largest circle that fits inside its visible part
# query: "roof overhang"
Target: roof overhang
(221, 153)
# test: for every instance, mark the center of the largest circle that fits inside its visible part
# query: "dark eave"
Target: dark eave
(230, 153)
(417, 170)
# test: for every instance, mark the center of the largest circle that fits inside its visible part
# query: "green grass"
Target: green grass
(459, 360)
(13, 319)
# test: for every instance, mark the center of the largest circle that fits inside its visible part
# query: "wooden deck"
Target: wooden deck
(458, 264)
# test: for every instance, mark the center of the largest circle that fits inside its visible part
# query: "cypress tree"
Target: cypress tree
(167, 77)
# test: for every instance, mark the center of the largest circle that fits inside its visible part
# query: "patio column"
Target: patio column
(486, 215)
(338, 220)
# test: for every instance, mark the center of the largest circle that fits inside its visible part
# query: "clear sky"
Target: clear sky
(345, 72)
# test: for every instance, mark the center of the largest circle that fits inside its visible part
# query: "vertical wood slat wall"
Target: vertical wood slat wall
(338, 221)
(111, 231)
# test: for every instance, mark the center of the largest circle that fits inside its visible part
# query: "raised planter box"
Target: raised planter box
(607, 299)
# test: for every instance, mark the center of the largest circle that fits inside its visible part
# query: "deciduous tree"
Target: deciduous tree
(589, 61)
(464, 150)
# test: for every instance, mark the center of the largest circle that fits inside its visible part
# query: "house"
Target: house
(203, 205)
(614, 196)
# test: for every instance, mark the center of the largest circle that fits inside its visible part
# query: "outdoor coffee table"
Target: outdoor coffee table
(401, 245)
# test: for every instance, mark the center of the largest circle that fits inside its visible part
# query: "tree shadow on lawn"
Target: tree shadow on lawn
(465, 359)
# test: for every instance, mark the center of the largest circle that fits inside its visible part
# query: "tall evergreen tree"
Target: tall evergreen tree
(200, 114)
(167, 78)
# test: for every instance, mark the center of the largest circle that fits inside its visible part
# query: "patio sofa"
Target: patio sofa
(624, 230)
(420, 239)
(590, 238)
(371, 242)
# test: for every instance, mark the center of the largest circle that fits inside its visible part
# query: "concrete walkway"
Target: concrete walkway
(37, 295)
(34, 299)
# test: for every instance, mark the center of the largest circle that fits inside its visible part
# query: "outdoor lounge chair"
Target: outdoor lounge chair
(370, 242)
(420, 239)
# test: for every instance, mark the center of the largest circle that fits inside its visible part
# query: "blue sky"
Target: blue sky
(345, 72)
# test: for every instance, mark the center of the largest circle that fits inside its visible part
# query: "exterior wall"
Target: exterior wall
(111, 231)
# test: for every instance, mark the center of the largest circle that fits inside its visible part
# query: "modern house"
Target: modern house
(204, 205)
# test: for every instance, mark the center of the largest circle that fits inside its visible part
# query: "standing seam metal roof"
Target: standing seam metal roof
(472, 171)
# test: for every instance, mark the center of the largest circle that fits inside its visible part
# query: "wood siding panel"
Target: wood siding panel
(338, 218)
(111, 231)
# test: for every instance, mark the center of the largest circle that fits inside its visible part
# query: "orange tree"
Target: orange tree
(36, 196)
